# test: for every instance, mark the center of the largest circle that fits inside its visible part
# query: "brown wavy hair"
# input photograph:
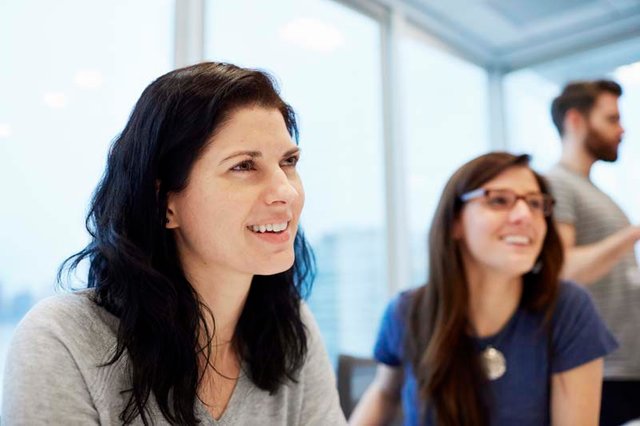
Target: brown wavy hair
(444, 358)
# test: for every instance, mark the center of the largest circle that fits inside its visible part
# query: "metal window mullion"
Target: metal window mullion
(189, 32)
(398, 247)
(497, 125)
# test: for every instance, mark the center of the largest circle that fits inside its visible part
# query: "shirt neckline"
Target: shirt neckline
(574, 173)
(498, 337)
(239, 392)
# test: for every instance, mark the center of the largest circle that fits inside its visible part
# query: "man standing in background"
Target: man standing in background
(598, 238)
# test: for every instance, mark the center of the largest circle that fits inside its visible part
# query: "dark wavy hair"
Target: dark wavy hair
(134, 268)
(438, 345)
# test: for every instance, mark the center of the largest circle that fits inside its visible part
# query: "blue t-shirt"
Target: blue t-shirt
(521, 395)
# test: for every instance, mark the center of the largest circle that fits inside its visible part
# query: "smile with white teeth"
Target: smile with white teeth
(269, 227)
(517, 239)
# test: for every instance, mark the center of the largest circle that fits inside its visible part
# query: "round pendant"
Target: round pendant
(493, 362)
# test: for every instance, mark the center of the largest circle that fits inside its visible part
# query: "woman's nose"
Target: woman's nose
(280, 188)
(520, 211)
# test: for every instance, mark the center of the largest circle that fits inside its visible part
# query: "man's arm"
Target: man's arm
(588, 263)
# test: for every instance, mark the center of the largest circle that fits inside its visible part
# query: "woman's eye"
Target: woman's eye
(499, 200)
(291, 161)
(244, 166)
(536, 203)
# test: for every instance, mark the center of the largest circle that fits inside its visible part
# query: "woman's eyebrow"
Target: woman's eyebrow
(292, 151)
(252, 154)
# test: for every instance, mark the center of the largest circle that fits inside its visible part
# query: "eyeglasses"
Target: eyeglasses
(505, 199)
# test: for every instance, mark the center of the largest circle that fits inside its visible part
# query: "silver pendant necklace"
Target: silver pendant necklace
(493, 363)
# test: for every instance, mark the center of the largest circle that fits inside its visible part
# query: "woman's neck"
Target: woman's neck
(224, 293)
(492, 302)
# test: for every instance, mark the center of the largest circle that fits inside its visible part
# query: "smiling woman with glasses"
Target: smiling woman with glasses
(493, 338)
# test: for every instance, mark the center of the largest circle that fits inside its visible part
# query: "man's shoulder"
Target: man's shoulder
(558, 176)
(572, 192)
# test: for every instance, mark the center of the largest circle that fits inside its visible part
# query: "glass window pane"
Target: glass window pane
(444, 111)
(621, 179)
(327, 58)
(528, 123)
(70, 72)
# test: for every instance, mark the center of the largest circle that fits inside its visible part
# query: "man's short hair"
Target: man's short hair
(580, 95)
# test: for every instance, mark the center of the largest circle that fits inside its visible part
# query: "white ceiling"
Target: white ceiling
(513, 34)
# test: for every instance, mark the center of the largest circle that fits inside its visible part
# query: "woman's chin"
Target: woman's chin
(275, 266)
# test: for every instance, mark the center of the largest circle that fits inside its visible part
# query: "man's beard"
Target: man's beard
(599, 147)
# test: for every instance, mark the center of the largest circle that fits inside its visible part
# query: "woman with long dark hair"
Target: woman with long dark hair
(494, 338)
(197, 270)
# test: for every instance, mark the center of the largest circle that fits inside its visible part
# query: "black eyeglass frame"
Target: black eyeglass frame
(547, 200)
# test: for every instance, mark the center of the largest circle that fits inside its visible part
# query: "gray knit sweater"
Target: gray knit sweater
(53, 376)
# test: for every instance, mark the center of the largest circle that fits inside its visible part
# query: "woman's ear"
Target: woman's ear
(171, 218)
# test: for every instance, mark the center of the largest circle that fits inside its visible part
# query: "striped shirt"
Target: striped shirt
(595, 216)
